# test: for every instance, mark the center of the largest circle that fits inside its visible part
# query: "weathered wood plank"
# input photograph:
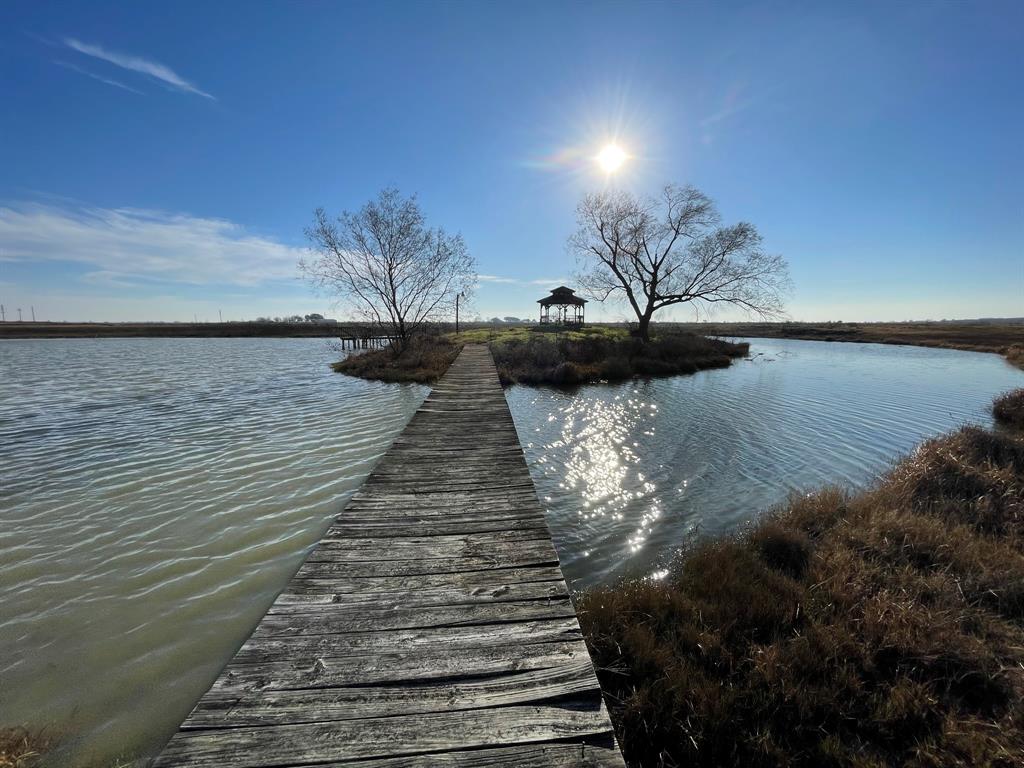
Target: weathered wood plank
(282, 648)
(424, 662)
(431, 625)
(234, 708)
(310, 743)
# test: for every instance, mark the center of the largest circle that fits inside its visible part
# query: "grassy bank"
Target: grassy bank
(551, 359)
(534, 355)
(1009, 409)
(1001, 337)
(885, 628)
(550, 355)
(425, 360)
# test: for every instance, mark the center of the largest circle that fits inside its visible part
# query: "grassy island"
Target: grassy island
(883, 628)
(546, 355)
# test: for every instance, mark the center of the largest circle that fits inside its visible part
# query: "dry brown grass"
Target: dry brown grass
(546, 358)
(21, 748)
(881, 629)
(1015, 354)
(1005, 337)
(1009, 409)
(424, 361)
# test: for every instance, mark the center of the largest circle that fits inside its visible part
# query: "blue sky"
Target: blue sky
(160, 161)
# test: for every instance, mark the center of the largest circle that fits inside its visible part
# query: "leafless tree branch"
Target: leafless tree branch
(656, 253)
(388, 265)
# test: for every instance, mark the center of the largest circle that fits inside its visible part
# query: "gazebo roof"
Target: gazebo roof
(562, 296)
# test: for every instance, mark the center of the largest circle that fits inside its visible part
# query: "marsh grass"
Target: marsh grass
(1015, 354)
(883, 628)
(425, 360)
(605, 355)
(1009, 409)
(22, 748)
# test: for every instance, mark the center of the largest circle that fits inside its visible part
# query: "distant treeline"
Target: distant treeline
(130, 330)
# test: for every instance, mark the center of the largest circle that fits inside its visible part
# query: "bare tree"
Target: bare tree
(388, 265)
(660, 252)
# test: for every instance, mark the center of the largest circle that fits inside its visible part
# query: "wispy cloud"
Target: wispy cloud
(548, 281)
(125, 244)
(496, 279)
(94, 76)
(153, 69)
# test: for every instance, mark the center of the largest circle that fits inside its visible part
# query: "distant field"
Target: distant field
(981, 336)
(199, 330)
(996, 336)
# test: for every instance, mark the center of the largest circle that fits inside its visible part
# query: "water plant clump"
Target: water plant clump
(882, 628)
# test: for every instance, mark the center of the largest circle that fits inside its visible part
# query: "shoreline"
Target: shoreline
(885, 624)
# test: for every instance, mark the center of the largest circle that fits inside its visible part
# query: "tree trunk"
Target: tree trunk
(643, 328)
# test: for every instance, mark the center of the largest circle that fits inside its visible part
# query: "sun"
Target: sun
(611, 157)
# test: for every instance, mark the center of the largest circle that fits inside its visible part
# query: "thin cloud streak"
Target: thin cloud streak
(554, 281)
(153, 69)
(127, 244)
(94, 76)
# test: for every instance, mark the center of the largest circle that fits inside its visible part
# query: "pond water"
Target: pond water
(156, 494)
(630, 472)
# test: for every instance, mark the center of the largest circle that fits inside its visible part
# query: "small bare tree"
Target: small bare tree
(390, 267)
(660, 252)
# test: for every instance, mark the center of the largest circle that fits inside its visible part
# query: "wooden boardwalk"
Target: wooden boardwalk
(430, 627)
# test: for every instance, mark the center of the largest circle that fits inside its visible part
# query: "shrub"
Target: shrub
(424, 360)
(1015, 354)
(1009, 408)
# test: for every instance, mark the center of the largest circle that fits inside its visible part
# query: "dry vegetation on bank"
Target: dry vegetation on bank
(20, 748)
(1005, 337)
(425, 360)
(881, 629)
(565, 360)
(532, 355)
(1009, 409)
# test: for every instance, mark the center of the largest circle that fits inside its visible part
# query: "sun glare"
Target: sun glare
(611, 157)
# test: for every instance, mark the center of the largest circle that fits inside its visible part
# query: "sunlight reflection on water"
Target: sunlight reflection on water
(630, 472)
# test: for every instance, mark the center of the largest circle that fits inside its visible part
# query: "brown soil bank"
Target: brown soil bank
(880, 629)
(1002, 337)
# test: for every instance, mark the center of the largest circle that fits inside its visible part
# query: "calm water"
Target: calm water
(629, 472)
(156, 494)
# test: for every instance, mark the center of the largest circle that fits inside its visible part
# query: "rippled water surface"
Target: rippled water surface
(155, 495)
(630, 472)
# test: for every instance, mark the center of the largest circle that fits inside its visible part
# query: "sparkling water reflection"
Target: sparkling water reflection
(630, 472)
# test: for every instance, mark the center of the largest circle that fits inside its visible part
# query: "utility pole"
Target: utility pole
(457, 297)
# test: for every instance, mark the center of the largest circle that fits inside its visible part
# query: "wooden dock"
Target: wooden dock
(430, 627)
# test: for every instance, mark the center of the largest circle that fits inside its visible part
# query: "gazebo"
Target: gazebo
(562, 299)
